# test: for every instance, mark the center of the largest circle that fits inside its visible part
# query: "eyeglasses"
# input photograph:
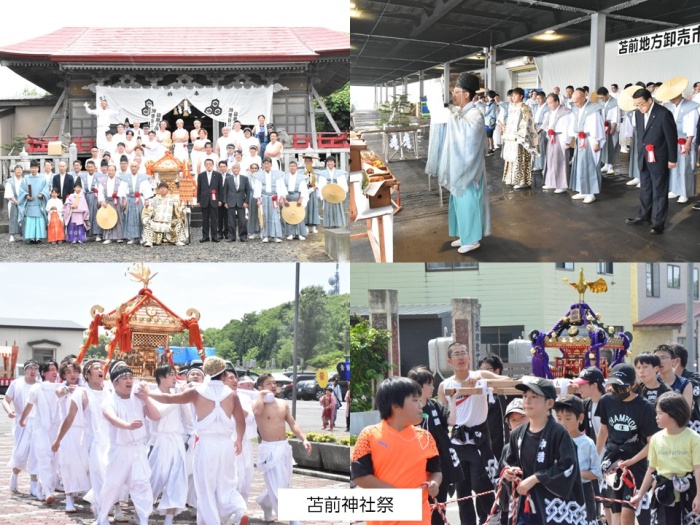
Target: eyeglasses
(457, 92)
(460, 354)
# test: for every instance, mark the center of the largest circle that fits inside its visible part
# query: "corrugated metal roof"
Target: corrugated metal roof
(195, 44)
(669, 316)
(437, 310)
(40, 323)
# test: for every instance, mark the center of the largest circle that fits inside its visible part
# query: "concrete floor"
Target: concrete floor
(530, 225)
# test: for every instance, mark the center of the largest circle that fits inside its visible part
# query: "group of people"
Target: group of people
(239, 200)
(184, 441)
(628, 443)
(573, 139)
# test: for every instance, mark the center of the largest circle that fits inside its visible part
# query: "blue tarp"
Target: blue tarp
(185, 354)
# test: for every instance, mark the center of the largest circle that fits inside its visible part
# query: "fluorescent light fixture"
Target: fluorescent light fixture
(548, 36)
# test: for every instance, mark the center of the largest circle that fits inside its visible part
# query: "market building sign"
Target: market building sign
(669, 39)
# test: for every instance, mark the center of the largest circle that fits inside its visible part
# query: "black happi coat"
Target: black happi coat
(558, 497)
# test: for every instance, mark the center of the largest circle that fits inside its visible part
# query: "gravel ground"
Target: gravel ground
(310, 250)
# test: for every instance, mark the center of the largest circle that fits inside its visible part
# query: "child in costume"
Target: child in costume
(54, 208)
(76, 214)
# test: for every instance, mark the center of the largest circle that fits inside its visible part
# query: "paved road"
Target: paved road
(21, 509)
(309, 418)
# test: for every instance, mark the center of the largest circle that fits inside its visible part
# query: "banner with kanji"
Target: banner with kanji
(667, 39)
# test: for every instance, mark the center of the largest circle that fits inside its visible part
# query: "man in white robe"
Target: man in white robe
(556, 133)
(17, 395)
(127, 463)
(611, 116)
(104, 115)
(43, 399)
(218, 414)
(462, 169)
(682, 181)
(167, 456)
(541, 114)
(587, 127)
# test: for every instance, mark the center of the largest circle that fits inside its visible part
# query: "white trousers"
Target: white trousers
(73, 462)
(45, 459)
(275, 462)
(215, 480)
(127, 468)
(22, 458)
(168, 473)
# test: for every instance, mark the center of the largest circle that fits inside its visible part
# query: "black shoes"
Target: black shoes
(636, 221)
(657, 230)
(203, 240)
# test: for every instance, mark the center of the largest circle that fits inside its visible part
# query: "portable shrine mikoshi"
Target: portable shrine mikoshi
(501, 387)
(581, 336)
(141, 326)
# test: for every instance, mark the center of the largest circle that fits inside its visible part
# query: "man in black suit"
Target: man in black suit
(222, 222)
(209, 192)
(63, 181)
(657, 152)
(237, 190)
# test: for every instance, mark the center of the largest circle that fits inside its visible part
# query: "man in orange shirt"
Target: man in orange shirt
(394, 453)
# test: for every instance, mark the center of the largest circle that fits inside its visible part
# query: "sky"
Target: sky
(220, 291)
(20, 25)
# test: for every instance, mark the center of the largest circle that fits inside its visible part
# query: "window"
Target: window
(653, 283)
(605, 268)
(565, 266)
(448, 267)
(290, 112)
(674, 276)
(42, 354)
(82, 124)
(696, 285)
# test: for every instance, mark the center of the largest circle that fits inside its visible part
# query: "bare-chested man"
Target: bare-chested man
(194, 134)
(274, 453)
(216, 407)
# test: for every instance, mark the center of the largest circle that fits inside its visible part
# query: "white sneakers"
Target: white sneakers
(632, 182)
(314, 230)
(579, 196)
(277, 239)
(12, 238)
(98, 239)
(560, 190)
(456, 244)
(548, 187)
(290, 237)
(672, 195)
(13, 483)
(302, 238)
(682, 200)
(266, 240)
(589, 199)
(108, 241)
(468, 247)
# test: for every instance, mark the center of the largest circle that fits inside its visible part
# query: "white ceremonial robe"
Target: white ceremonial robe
(46, 425)
(73, 463)
(244, 461)
(275, 463)
(585, 175)
(167, 458)
(214, 477)
(682, 177)
(127, 462)
(556, 167)
(97, 439)
(22, 458)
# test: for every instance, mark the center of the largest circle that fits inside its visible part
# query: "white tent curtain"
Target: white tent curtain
(223, 104)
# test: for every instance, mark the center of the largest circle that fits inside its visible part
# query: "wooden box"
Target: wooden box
(355, 148)
(55, 148)
(381, 198)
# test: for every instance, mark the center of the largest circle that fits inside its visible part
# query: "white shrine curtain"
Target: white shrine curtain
(223, 104)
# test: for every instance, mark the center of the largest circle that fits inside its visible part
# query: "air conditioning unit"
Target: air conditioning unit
(520, 62)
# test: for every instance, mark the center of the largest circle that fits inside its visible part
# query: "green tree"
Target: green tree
(312, 314)
(367, 347)
(338, 105)
(98, 351)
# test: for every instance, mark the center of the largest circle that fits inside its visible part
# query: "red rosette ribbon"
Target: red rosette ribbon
(582, 138)
(607, 127)
(550, 133)
(274, 201)
(137, 195)
(650, 153)
(114, 198)
(681, 142)
(213, 195)
(95, 191)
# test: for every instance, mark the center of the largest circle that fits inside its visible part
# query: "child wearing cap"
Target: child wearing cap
(569, 412)
(394, 453)
(543, 456)
(648, 385)
(627, 426)
(515, 416)
(674, 460)
(590, 384)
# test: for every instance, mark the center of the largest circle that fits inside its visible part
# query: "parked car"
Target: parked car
(311, 390)
(301, 376)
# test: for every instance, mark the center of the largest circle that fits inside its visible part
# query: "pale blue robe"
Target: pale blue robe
(462, 171)
(32, 214)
